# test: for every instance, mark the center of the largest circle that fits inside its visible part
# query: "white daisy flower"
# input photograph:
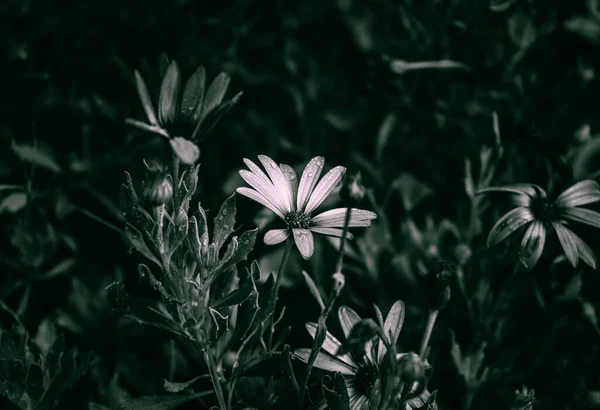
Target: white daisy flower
(294, 202)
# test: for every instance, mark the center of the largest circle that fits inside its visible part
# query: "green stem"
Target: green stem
(273, 299)
(175, 172)
(340, 261)
(160, 216)
(433, 314)
(214, 377)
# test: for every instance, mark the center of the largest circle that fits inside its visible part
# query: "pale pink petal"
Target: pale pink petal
(275, 236)
(256, 196)
(582, 193)
(326, 362)
(331, 345)
(265, 188)
(309, 178)
(335, 218)
(348, 318)
(325, 186)
(280, 182)
(331, 232)
(304, 241)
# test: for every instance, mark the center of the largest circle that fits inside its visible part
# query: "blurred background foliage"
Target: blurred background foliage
(403, 91)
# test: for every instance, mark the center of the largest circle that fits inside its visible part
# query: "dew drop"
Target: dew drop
(310, 174)
(224, 211)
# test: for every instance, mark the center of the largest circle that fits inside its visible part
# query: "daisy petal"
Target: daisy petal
(280, 182)
(326, 362)
(509, 223)
(582, 193)
(348, 318)
(169, 91)
(582, 215)
(193, 94)
(331, 345)
(258, 197)
(275, 236)
(393, 324)
(264, 187)
(585, 253)
(309, 178)
(304, 241)
(145, 97)
(335, 218)
(519, 189)
(565, 236)
(338, 233)
(292, 179)
(265, 181)
(532, 244)
(324, 188)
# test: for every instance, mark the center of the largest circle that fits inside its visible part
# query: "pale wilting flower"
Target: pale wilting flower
(184, 118)
(360, 373)
(294, 202)
(539, 214)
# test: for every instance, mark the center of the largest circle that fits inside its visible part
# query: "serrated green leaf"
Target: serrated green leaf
(136, 239)
(239, 295)
(224, 222)
(176, 387)
(160, 402)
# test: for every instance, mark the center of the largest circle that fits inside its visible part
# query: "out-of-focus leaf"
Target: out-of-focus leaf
(412, 190)
(61, 268)
(176, 387)
(521, 30)
(586, 27)
(14, 202)
(46, 335)
(401, 66)
(500, 5)
(286, 366)
(160, 402)
(385, 130)
(37, 156)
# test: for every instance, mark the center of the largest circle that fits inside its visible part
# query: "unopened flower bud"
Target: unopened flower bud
(158, 190)
(438, 284)
(411, 367)
(339, 281)
(462, 253)
(353, 191)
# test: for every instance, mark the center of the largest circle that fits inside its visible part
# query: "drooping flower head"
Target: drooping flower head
(184, 118)
(361, 370)
(539, 214)
(294, 202)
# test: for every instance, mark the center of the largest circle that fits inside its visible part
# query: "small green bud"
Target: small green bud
(438, 285)
(411, 367)
(158, 190)
(353, 191)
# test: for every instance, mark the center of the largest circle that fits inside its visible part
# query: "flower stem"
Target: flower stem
(433, 314)
(273, 299)
(175, 171)
(340, 261)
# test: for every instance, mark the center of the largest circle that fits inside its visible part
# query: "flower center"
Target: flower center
(542, 209)
(297, 220)
(365, 378)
